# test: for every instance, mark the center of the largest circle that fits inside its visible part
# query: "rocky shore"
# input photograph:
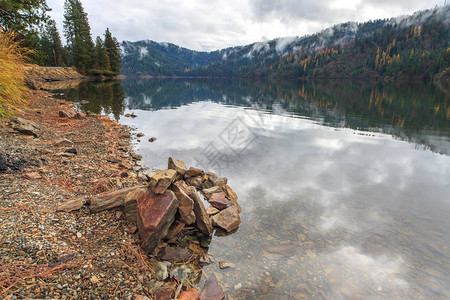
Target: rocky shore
(55, 163)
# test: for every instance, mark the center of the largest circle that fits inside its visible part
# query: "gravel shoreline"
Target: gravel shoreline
(60, 255)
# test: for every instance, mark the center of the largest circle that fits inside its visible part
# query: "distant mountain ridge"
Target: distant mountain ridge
(416, 46)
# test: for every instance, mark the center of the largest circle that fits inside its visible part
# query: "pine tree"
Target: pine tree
(102, 56)
(51, 46)
(24, 18)
(78, 35)
(113, 50)
(22, 15)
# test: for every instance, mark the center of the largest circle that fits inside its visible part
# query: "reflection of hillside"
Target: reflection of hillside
(99, 97)
(361, 105)
(417, 112)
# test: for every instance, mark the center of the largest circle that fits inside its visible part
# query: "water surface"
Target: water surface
(344, 186)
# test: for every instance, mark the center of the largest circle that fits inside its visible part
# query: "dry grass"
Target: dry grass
(12, 74)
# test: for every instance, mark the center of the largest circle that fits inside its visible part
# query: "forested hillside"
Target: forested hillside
(416, 46)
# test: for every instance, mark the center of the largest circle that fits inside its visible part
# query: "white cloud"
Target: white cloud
(209, 25)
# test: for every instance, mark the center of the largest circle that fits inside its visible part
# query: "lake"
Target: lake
(345, 186)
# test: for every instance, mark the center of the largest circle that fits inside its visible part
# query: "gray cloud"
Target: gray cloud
(292, 9)
(210, 25)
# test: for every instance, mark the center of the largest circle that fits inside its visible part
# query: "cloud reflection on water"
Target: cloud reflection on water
(337, 185)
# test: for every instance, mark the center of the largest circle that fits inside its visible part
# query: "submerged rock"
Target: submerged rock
(212, 291)
(183, 273)
(226, 264)
(161, 270)
(174, 255)
(279, 251)
(190, 294)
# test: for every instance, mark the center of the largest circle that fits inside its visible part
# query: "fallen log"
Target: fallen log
(111, 200)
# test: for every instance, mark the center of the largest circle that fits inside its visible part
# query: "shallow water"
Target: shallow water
(344, 186)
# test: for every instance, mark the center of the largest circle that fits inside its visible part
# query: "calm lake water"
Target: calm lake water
(345, 186)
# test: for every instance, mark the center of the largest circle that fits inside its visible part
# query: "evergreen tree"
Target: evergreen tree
(102, 56)
(51, 46)
(22, 15)
(78, 34)
(113, 50)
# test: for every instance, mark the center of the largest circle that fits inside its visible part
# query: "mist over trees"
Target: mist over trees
(416, 46)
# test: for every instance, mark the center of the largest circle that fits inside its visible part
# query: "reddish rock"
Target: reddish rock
(156, 212)
(185, 203)
(190, 294)
(161, 181)
(228, 219)
(166, 291)
(130, 204)
(219, 201)
(193, 172)
(195, 182)
(177, 165)
(212, 291)
(231, 195)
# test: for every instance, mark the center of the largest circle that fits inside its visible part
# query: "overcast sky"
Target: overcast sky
(215, 24)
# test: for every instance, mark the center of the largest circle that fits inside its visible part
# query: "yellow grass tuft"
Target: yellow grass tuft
(12, 74)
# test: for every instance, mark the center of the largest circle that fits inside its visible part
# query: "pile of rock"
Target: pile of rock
(171, 201)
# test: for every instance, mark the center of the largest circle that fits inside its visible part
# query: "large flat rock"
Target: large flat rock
(156, 212)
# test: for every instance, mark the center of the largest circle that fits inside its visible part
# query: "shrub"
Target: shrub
(12, 74)
(108, 73)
